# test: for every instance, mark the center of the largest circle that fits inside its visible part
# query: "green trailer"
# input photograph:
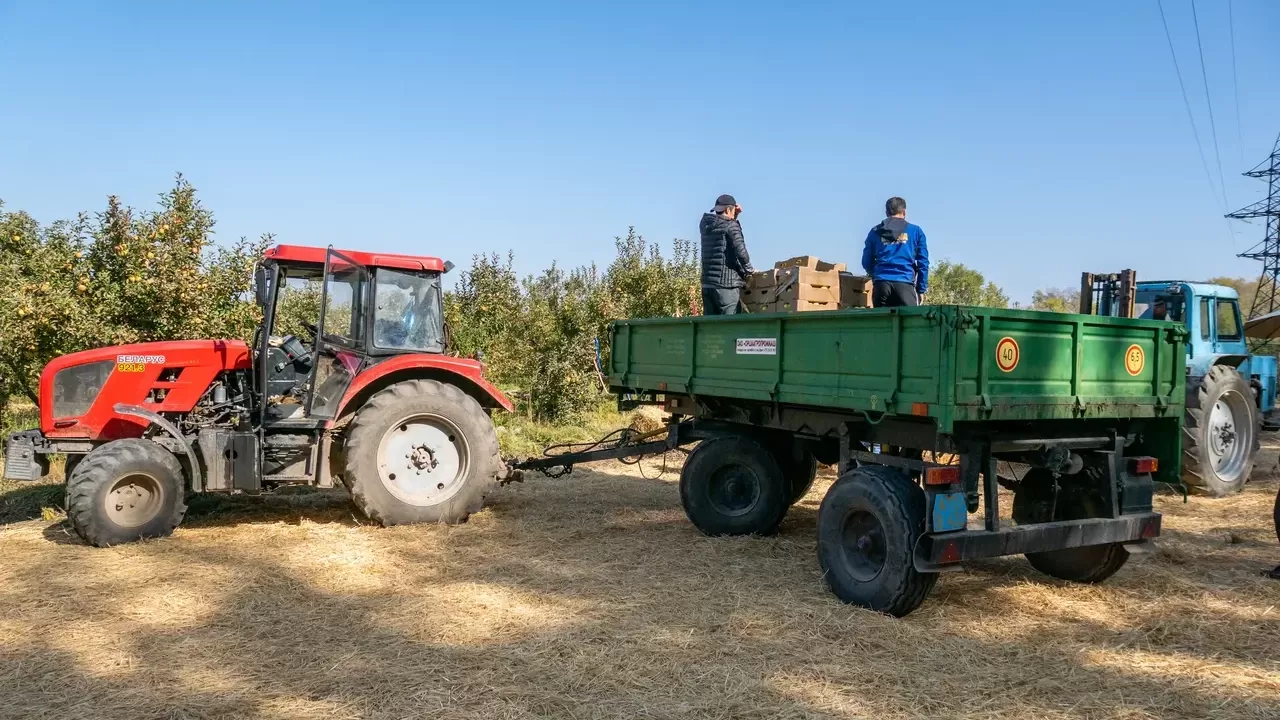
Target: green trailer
(919, 408)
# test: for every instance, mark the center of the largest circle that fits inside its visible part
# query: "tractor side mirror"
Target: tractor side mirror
(448, 266)
(260, 282)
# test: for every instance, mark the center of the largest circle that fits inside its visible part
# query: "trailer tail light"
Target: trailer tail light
(942, 475)
(1143, 465)
(921, 409)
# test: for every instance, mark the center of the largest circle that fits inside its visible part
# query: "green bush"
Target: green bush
(539, 335)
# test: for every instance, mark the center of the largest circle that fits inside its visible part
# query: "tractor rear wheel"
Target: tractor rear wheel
(421, 451)
(1079, 497)
(126, 490)
(1220, 437)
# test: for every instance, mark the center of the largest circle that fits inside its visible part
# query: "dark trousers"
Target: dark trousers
(893, 294)
(720, 301)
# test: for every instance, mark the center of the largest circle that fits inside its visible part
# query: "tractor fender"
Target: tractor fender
(466, 374)
(197, 481)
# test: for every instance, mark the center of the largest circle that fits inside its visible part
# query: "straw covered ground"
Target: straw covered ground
(592, 596)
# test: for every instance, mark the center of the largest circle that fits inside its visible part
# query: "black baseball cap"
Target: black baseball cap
(726, 200)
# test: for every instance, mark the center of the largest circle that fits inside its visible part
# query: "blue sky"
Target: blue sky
(1032, 140)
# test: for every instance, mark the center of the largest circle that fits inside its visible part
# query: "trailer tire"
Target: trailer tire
(1034, 503)
(868, 526)
(124, 491)
(732, 485)
(1221, 433)
(799, 466)
(405, 433)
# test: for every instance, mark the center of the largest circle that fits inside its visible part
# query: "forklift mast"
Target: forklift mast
(1109, 294)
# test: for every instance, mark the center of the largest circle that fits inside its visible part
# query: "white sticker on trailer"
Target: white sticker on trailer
(757, 346)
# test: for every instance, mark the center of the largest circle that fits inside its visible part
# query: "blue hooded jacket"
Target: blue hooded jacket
(896, 252)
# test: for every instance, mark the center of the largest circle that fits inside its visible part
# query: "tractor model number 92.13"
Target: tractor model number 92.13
(371, 400)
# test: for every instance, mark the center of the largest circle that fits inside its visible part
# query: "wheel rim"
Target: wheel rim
(1227, 434)
(734, 490)
(134, 500)
(862, 545)
(422, 460)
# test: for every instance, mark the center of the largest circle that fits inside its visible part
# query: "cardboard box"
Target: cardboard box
(805, 306)
(763, 278)
(855, 300)
(850, 283)
(759, 295)
(762, 307)
(811, 262)
(798, 284)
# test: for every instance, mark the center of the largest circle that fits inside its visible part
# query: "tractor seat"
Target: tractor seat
(284, 411)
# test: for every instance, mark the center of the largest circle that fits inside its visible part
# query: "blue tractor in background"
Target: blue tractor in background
(1231, 394)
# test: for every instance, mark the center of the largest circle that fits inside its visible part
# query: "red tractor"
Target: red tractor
(371, 400)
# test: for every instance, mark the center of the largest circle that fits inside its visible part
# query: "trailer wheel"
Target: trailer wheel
(733, 486)
(799, 466)
(1034, 502)
(1220, 439)
(420, 451)
(126, 490)
(868, 526)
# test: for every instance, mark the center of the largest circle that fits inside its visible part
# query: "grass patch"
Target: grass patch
(519, 436)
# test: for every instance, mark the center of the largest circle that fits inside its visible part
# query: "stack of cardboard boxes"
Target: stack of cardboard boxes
(804, 284)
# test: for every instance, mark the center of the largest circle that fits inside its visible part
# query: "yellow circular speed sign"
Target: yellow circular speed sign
(1134, 360)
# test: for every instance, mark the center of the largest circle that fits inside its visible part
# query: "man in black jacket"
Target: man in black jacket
(725, 262)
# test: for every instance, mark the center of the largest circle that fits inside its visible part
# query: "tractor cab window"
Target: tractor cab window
(407, 311)
(1229, 320)
(343, 303)
(1160, 307)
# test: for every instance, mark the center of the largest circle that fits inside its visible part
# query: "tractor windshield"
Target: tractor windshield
(407, 314)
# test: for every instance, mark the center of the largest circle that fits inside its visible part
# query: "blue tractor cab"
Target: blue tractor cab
(1231, 394)
(1217, 335)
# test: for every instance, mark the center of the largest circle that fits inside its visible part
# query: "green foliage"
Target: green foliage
(1061, 300)
(119, 276)
(538, 335)
(956, 284)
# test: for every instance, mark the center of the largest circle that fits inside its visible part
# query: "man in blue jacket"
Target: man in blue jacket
(897, 259)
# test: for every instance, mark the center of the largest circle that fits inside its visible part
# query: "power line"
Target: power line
(1213, 128)
(1235, 76)
(1186, 101)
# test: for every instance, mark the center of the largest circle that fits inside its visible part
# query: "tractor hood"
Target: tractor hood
(79, 391)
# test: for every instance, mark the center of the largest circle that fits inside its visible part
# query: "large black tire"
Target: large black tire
(444, 430)
(1275, 515)
(1221, 433)
(733, 486)
(868, 526)
(799, 466)
(1079, 498)
(126, 490)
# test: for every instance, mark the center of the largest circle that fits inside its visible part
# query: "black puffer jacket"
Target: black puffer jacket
(725, 262)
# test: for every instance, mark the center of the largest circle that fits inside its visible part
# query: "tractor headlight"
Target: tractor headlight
(75, 388)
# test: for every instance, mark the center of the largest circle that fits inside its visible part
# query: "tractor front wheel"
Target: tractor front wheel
(126, 490)
(1220, 440)
(421, 451)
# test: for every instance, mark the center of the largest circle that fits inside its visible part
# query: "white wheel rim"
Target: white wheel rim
(422, 460)
(1227, 434)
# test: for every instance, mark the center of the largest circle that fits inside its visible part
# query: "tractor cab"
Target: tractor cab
(329, 314)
